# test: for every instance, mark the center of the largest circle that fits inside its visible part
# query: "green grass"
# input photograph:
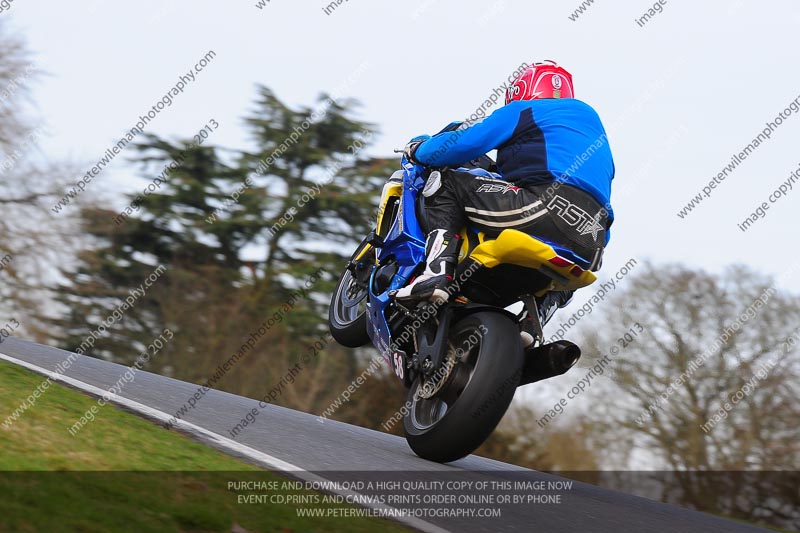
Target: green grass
(122, 473)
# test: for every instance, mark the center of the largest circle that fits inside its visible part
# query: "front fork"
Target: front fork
(362, 261)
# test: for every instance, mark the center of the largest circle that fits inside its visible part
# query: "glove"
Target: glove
(412, 146)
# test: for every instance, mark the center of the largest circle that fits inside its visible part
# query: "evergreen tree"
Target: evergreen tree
(241, 236)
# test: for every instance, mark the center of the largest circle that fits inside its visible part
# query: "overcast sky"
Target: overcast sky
(679, 96)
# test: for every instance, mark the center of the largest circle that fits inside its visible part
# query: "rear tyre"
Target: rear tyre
(473, 396)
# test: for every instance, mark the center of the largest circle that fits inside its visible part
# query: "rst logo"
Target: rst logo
(498, 187)
(576, 217)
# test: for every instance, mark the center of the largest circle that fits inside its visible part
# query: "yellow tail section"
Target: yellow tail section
(518, 248)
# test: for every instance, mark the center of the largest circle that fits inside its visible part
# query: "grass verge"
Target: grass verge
(122, 473)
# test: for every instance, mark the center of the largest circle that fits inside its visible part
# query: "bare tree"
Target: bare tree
(32, 242)
(708, 382)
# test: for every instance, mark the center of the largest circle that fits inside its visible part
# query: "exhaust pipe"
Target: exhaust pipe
(548, 361)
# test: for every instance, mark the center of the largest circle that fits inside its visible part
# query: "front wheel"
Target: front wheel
(347, 316)
(454, 411)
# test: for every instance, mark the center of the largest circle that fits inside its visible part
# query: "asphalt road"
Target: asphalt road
(290, 440)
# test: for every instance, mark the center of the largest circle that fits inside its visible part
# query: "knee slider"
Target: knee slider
(433, 184)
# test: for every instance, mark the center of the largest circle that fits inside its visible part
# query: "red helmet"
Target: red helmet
(541, 80)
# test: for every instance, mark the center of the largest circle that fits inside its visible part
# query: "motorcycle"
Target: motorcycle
(461, 360)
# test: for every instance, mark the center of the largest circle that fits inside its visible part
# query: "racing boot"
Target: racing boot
(441, 256)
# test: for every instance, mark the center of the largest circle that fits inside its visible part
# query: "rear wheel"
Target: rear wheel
(451, 413)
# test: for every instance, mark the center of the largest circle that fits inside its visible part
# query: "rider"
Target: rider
(556, 169)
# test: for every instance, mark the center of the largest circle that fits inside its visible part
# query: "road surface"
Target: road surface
(308, 449)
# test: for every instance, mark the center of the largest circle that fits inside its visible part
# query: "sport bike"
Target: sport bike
(462, 360)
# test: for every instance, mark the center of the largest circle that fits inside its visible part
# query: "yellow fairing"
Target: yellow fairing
(517, 248)
(363, 252)
(391, 189)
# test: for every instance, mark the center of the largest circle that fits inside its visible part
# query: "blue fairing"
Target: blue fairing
(406, 242)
